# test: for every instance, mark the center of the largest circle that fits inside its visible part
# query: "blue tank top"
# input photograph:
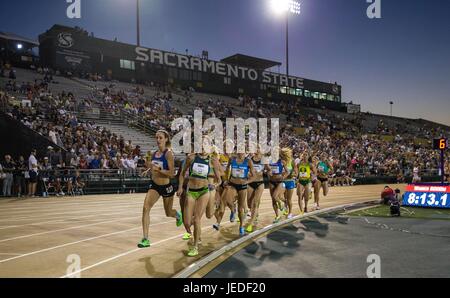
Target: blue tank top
(239, 171)
(161, 161)
(277, 168)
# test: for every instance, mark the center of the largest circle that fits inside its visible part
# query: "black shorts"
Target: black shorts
(165, 191)
(275, 184)
(238, 187)
(33, 176)
(322, 179)
(255, 185)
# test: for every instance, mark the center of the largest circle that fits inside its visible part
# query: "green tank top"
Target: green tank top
(290, 168)
(304, 172)
(323, 168)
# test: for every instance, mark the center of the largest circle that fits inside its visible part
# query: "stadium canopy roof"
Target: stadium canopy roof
(249, 61)
(15, 37)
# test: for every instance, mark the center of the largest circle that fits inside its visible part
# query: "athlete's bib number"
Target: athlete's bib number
(158, 163)
(303, 175)
(275, 170)
(200, 170)
(258, 168)
(238, 173)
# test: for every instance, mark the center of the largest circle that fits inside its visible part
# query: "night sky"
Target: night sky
(403, 57)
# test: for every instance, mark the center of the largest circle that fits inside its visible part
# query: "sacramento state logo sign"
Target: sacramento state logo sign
(65, 40)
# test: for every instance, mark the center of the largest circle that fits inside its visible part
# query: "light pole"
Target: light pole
(287, 7)
(391, 103)
(138, 28)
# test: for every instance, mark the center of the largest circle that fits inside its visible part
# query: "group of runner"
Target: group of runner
(208, 183)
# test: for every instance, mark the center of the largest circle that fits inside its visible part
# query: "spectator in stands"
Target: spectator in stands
(141, 162)
(32, 173)
(79, 183)
(68, 180)
(83, 163)
(106, 163)
(19, 177)
(137, 150)
(9, 167)
(131, 165)
(96, 162)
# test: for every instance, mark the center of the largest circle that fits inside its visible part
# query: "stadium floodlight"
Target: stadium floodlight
(283, 6)
(286, 7)
(19, 46)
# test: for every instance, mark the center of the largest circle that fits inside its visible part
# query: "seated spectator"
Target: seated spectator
(387, 195)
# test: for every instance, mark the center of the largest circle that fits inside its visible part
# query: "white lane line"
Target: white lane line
(36, 207)
(71, 218)
(65, 229)
(79, 241)
(137, 249)
(111, 208)
(27, 211)
(70, 200)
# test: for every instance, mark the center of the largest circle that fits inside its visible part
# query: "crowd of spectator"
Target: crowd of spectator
(358, 145)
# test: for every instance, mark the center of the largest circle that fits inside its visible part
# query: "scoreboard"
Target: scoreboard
(440, 144)
(433, 196)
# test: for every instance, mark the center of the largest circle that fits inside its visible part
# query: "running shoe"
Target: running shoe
(249, 229)
(285, 212)
(277, 219)
(216, 226)
(187, 236)
(279, 206)
(290, 216)
(193, 251)
(144, 243)
(241, 231)
(179, 218)
(232, 216)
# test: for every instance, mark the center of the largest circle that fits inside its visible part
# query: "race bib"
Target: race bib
(303, 175)
(258, 168)
(158, 163)
(238, 173)
(275, 170)
(199, 169)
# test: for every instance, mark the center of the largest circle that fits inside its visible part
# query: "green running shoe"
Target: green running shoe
(187, 236)
(279, 206)
(193, 252)
(144, 243)
(277, 219)
(249, 228)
